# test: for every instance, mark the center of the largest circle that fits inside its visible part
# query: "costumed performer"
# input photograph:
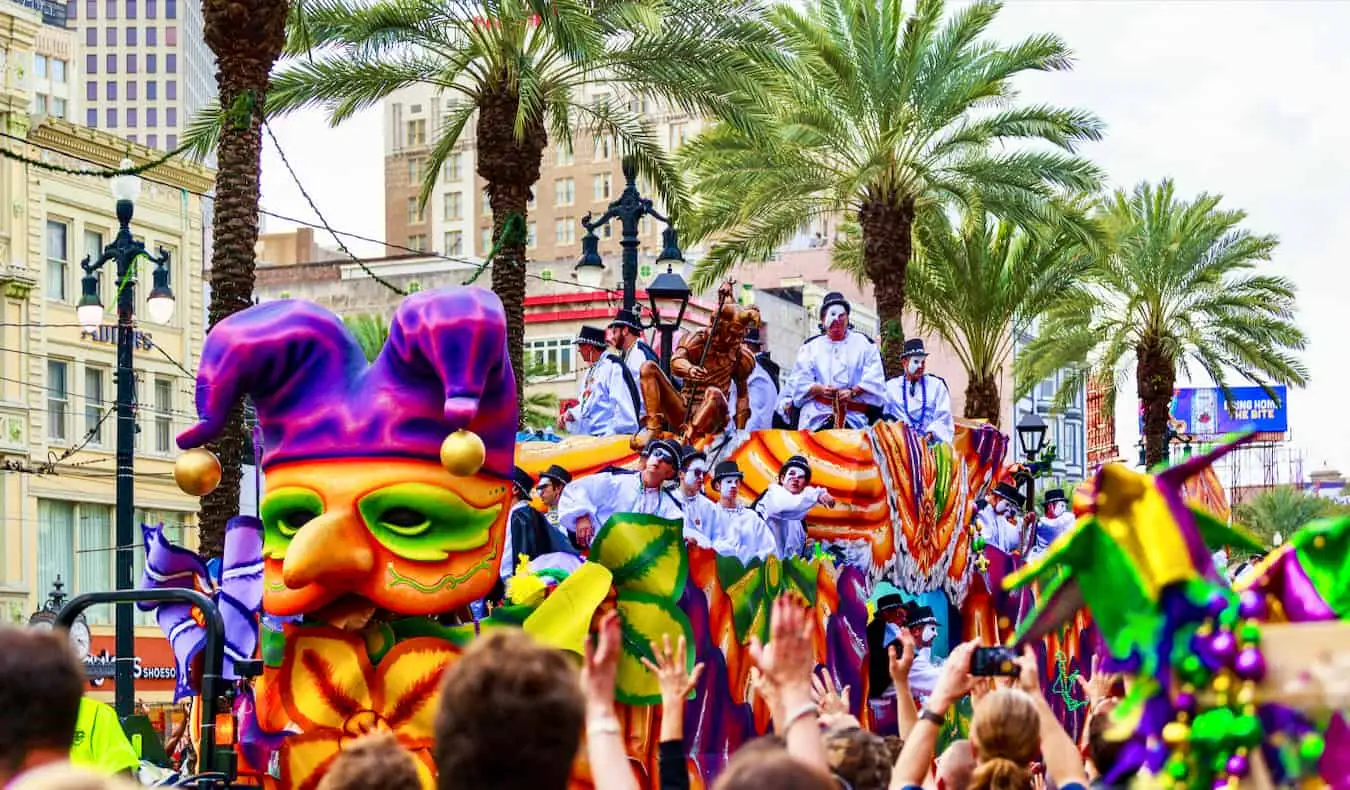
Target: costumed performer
(920, 399)
(624, 335)
(838, 380)
(882, 631)
(1000, 519)
(699, 512)
(784, 505)
(607, 404)
(588, 503)
(552, 481)
(1057, 520)
(923, 676)
(388, 483)
(762, 384)
(530, 534)
(738, 530)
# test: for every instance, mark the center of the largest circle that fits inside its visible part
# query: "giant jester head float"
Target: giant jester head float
(387, 483)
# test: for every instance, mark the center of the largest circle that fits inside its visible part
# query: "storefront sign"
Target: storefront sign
(153, 666)
(108, 334)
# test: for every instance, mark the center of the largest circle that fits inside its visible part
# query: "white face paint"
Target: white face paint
(1055, 510)
(834, 315)
(693, 476)
(794, 480)
(728, 486)
(913, 365)
(929, 634)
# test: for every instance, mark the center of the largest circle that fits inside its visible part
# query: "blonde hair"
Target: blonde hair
(1006, 733)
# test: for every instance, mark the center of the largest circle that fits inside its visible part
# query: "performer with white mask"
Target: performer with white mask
(920, 399)
(699, 511)
(1001, 519)
(586, 504)
(1058, 518)
(784, 506)
(606, 405)
(739, 531)
(838, 377)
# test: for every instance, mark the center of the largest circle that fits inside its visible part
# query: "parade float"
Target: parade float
(387, 497)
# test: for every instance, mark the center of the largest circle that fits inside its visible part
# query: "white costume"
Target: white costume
(508, 566)
(1048, 529)
(783, 512)
(605, 404)
(851, 362)
(699, 516)
(924, 405)
(603, 494)
(998, 531)
(763, 399)
(739, 532)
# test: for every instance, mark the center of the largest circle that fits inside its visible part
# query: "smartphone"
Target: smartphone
(989, 662)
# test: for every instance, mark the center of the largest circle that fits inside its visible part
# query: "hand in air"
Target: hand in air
(825, 499)
(902, 658)
(788, 658)
(585, 531)
(602, 663)
(670, 668)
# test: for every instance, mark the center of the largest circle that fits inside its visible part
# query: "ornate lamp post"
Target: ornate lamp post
(124, 251)
(1031, 436)
(628, 210)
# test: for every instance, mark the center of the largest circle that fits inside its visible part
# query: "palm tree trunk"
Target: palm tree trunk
(247, 37)
(887, 226)
(1156, 376)
(982, 398)
(510, 165)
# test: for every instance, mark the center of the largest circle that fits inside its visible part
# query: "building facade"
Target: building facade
(51, 79)
(57, 382)
(144, 68)
(1066, 430)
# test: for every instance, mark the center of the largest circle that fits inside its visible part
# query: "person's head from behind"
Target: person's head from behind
(1102, 751)
(765, 763)
(955, 766)
(64, 776)
(859, 757)
(41, 683)
(1005, 734)
(510, 716)
(373, 762)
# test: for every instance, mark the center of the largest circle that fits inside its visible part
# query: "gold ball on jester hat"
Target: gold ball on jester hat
(463, 453)
(197, 472)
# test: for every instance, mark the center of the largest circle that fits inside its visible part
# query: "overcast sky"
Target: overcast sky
(1240, 97)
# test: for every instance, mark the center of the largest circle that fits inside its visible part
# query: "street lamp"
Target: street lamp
(669, 295)
(1031, 436)
(124, 251)
(628, 209)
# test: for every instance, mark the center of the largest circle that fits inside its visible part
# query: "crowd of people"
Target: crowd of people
(513, 713)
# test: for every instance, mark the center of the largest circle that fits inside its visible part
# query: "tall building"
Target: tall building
(51, 78)
(146, 68)
(57, 380)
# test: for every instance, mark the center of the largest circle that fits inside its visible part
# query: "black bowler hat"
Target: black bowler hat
(691, 454)
(591, 336)
(1011, 493)
(664, 448)
(920, 615)
(834, 298)
(523, 482)
(888, 602)
(725, 469)
(752, 338)
(626, 318)
(796, 462)
(556, 474)
(914, 348)
(1055, 495)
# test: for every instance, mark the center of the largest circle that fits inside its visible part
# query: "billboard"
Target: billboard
(1208, 412)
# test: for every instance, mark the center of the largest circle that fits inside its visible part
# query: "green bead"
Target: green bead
(1211, 728)
(1245, 730)
(1177, 768)
(1194, 670)
(1229, 617)
(1250, 633)
(1310, 748)
(977, 544)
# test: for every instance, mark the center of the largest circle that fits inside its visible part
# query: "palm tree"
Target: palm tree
(1176, 289)
(247, 38)
(519, 67)
(981, 286)
(880, 115)
(1281, 510)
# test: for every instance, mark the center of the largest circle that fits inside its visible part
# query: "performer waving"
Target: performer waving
(838, 377)
(785, 504)
(738, 531)
(919, 399)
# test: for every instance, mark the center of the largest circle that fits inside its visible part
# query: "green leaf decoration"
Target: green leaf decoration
(646, 618)
(645, 554)
(1321, 549)
(752, 588)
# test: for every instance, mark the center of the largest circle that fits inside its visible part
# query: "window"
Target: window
(131, 63)
(603, 183)
(110, 90)
(163, 416)
(130, 36)
(152, 140)
(170, 9)
(151, 9)
(131, 9)
(58, 70)
(604, 148)
(75, 542)
(454, 205)
(110, 120)
(151, 87)
(418, 242)
(531, 235)
(91, 64)
(40, 66)
(171, 142)
(131, 90)
(171, 90)
(607, 231)
(171, 59)
(58, 399)
(91, 9)
(93, 403)
(174, 526)
(1045, 390)
(678, 133)
(40, 103)
(414, 170)
(151, 36)
(55, 546)
(553, 354)
(454, 242)
(110, 36)
(487, 204)
(563, 155)
(110, 63)
(132, 138)
(565, 230)
(91, 36)
(93, 248)
(485, 239)
(91, 117)
(58, 259)
(131, 118)
(454, 166)
(110, 9)
(564, 192)
(58, 107)
(151, 117)
(151, 63)
(417, 132)
(416, 213)
(171, 116)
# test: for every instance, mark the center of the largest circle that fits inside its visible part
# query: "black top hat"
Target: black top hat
(690, 454)
(752, 337)
(725, 469)
(591, 336)
(888, 602)
(796, 462)
(834, 298)
(1055, 495)
(919, 615)
(1011, 493)
(666, 448)
(557, 474)
(914, 348)
(524, 484)
(626, 318)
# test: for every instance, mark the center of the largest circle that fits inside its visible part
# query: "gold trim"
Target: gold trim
(107, 151)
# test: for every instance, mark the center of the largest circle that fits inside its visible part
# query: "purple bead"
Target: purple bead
(1238, 765)
(1220, 784)
(1185, 702)
(1251, 665)
(1224, 646)
(1216, 604)
(1252, 605)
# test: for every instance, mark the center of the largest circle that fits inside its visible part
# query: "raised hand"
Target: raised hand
(676, 682)
(788, 658)
(831, 701)
(585, 531)
(955, 681)
(902, 660)
(601, 664)
(1098, 688)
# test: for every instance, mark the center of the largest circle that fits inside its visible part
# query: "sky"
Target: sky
(1239, 97)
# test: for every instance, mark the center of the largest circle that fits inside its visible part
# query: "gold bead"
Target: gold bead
(1320, 542)
(1175, 733)
(1247, 694)
(197, 472)
(1222, 683)
(463, 453)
